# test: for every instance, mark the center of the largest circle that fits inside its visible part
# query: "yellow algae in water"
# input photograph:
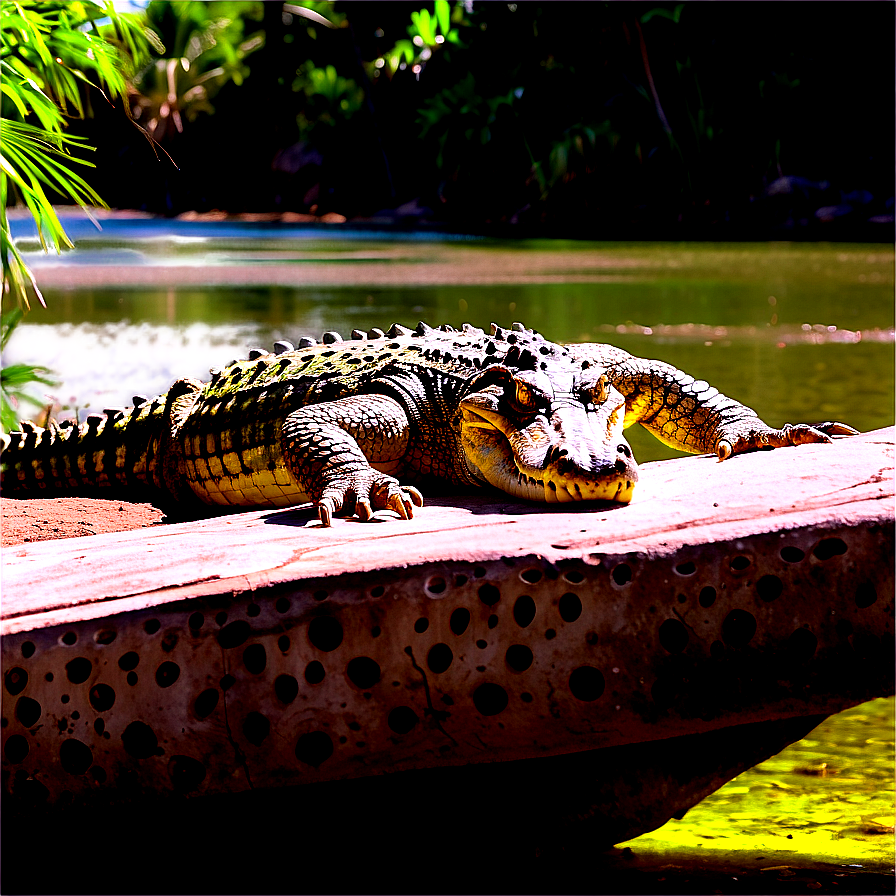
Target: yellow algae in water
(776, 812)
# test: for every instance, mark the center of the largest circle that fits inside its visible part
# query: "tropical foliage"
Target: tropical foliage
(53, 53)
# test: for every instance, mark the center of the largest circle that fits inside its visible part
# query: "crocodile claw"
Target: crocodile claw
(788, 434)
(364, 497)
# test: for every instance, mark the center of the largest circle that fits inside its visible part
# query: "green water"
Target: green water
(825, 799)
(799, 332)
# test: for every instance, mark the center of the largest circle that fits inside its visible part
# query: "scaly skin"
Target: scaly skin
(339, 423)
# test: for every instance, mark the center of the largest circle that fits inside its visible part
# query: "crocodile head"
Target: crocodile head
(551, 433)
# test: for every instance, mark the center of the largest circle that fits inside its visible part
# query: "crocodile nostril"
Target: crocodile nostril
(624, 450)
(620, 465)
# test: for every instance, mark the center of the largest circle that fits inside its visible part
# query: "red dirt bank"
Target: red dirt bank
(40, 519)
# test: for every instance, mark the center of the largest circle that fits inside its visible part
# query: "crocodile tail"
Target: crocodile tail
(116, 449)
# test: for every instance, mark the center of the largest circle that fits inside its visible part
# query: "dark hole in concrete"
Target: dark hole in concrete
(460, 580)
(16, 748)
(139, 740)
(829, 547)
(169, 642)
(221, 617)
(205, 703)
(377, 591)
(421, 625)
(107, 636)
(688, 568)
(524, 610)
(282, 605)
(586, 683)
(286, 687)
(186, 773)
(75, 757)
(28, 711)
(320, 594)
(131, 678)
(481, 644)
(573, 576)
(531, 575)
(27, 649)
(167, 674)
(314, 672)
(526, 697)
(478, 571)
(866, 595)
(314, 748)
(196, 621)
(519, 657)
(128, 661)
(15, 680)
(283, 643)
(673, 636)
(791, 554)
(738, 628)
(439, 658)
(550, 634)
(102, 697)
(375, 632)
(489, 594)
(801, 645)
(740, 563)
(253, 610)
(707, 596)
(363, 672)
(69, 638)
(591, 638)
(436, 585)
(325, 633)
(492, 621)
(490, 699)
(460, 619)
(234, 634)
(151, 626)
(255, 658)
(570, 607)
(622, 574)
(256, 728)
(402, 719)
(99, 726)
(769, 588)
(98, 774)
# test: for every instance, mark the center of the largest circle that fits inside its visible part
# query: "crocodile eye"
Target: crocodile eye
(525, 398)
(601, 390)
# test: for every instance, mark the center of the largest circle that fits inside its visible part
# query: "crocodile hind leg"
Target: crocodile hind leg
(341, 452)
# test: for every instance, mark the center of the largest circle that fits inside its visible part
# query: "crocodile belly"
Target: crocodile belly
(239, 467)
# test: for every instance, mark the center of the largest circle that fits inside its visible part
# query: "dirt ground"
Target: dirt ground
(40, 519)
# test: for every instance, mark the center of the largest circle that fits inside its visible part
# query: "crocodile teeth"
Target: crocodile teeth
(256, 353)
(498, 332)
(307, 342)
(398, 330)
(330, 337)
(423, 329)
(516, 325)
(283, 347)
(358, 334)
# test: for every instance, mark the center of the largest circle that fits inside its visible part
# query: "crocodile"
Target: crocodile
(356, 425)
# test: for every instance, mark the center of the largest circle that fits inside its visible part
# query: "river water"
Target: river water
(800, 332)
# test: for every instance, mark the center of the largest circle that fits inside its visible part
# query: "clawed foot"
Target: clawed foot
(363, 494)
(789, 434)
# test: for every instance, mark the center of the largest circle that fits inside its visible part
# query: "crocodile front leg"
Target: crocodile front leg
(691, 415)
(342, 451)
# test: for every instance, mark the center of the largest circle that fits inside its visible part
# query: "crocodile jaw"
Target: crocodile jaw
(573, 456)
